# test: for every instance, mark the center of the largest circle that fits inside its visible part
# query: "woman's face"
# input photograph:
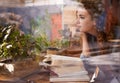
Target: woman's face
(84, 20)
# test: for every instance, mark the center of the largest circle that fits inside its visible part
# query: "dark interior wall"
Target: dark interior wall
(112, 8)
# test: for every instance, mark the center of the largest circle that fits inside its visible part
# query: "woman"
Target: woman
(87, 29)
(86, 26)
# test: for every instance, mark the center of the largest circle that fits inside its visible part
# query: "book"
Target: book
(64, 68)
(77, 78)
(58, 60)
(69, 71)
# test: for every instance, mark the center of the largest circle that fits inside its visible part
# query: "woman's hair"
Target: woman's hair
(94, 7)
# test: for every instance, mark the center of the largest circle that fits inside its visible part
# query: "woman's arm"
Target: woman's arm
(85, 44)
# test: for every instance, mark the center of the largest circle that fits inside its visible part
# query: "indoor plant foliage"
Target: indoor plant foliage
(40, 27)
(13, 44)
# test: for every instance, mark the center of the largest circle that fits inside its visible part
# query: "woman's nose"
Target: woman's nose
(77, 21)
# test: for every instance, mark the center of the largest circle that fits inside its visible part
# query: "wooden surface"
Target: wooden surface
(43, 77)
(39, 77)
(22, 69)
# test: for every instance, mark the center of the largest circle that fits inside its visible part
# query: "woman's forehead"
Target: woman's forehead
(82, 11)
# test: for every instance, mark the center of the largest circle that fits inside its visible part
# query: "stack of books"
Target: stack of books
(67, 69)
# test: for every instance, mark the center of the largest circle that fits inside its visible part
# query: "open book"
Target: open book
(67, 69)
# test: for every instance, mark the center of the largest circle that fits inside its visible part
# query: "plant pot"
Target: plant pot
(51, 50)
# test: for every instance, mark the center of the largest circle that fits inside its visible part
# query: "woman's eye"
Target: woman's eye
(82, 17)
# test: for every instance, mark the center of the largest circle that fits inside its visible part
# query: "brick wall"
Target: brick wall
(56, 20)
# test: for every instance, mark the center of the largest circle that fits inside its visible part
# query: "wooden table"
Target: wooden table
(43, 77)
(40, 76)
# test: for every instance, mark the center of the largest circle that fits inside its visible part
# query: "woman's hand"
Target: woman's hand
(80, 35)
(84, 41)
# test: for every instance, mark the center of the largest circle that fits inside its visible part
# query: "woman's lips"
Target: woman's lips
(77, 30)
